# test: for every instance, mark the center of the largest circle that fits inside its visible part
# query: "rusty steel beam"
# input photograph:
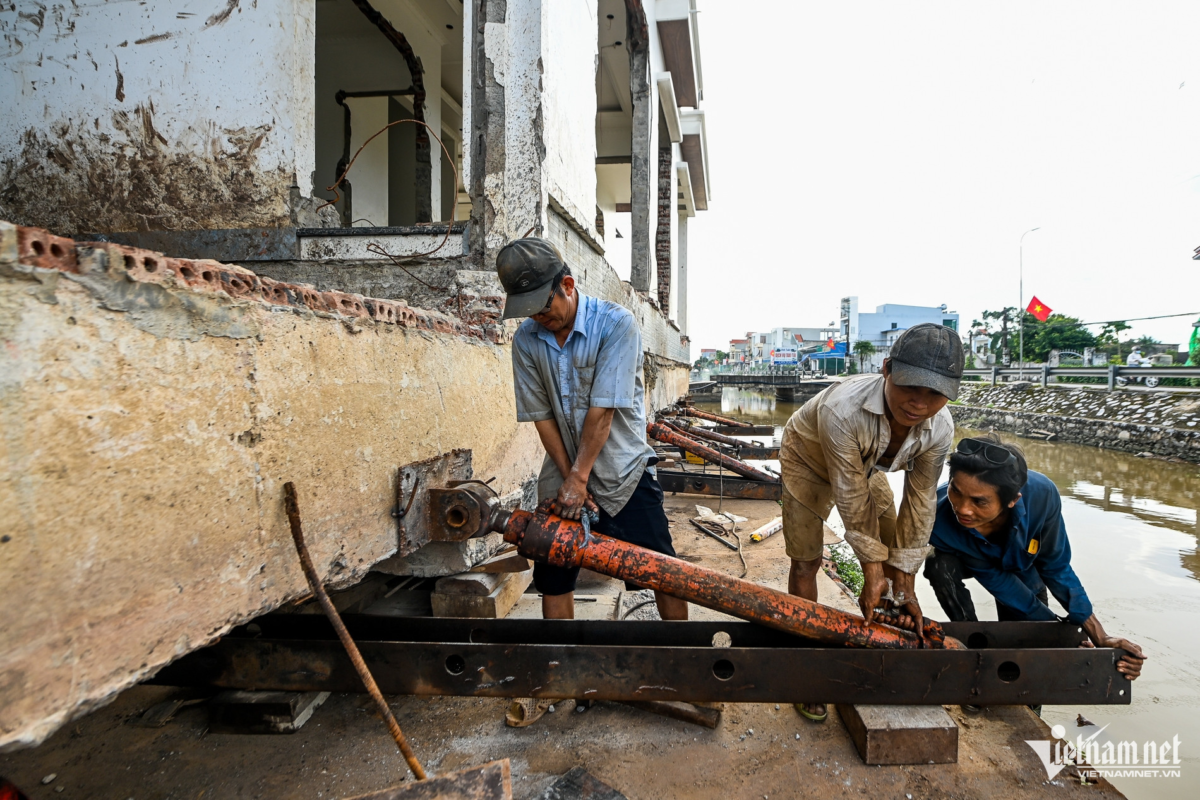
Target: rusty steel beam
(688, 411)
(714, 485)
(758, 453)
(666, 435)
(1008, 663)
(550, 539)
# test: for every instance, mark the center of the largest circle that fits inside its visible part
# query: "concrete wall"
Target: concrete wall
(148, 428)
(1161, 423)
(135, 116)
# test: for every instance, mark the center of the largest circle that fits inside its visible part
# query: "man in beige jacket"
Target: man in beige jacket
(838, 446)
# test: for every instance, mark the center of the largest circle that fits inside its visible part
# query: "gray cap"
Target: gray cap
(526, 268)
(928, 355)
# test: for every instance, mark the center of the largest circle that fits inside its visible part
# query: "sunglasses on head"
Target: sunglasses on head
(992, 453)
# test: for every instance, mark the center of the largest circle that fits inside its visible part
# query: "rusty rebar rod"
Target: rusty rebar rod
(545, 537)
(292, 507)
(688, 411)
(666, 435)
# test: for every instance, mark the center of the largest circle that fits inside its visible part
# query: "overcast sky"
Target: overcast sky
(897, 151)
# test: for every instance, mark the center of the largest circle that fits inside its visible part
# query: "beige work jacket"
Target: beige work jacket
(838, 438)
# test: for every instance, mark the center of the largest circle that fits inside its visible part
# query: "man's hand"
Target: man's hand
(874, 587)
(1130, 665)
(904, 590)
(572, 496)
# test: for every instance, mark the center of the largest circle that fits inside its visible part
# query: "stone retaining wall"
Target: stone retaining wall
(1161, 423)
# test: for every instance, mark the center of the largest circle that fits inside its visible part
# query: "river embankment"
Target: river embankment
(1162, 423)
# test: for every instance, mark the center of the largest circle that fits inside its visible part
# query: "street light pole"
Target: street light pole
(1021, 306)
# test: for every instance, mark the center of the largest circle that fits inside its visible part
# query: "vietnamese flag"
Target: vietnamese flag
(1038, 309)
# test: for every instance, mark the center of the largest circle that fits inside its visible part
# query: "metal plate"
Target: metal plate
(715, 485)
(483, 664)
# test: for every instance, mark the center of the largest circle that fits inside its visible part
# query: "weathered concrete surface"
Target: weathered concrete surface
(96, 134)
(1161, 422)
(144, 452)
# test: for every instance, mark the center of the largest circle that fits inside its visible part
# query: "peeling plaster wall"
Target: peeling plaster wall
(150, 116)
(143, 456)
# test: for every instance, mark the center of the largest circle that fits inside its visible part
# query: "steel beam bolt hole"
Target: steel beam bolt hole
(1008, 672)
(723, 669)
(722, 639)
(456, 517)
(479, 636)
(977, 641)
(455, 664)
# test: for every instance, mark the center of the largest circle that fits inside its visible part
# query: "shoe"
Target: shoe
(525, 711)
(813, 715)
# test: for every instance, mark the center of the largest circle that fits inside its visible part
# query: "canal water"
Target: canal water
(1134, 528)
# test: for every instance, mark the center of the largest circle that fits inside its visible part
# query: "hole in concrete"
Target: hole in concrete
(206, 276)
(723, 669)
(130, 263)
(455, 664)
(722, 639)
(150, 264)
(456, 517)
(187, 272)
(56, 251)
(977, 640)
(1008, 672)
(37, 247)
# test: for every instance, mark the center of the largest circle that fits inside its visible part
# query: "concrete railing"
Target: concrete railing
(1043, 373)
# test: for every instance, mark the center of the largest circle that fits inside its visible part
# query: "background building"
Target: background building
(885, 324)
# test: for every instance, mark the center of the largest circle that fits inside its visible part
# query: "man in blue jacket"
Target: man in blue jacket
(1000, 523)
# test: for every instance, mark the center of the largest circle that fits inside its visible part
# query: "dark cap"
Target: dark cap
(526, 268)
(928, 355)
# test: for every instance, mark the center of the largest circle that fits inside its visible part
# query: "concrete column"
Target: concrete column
(640, 172)
(681, 249)
(662, 233)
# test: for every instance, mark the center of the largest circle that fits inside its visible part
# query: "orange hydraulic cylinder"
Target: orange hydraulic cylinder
(564, 543)
(667, 435)
(696, 432)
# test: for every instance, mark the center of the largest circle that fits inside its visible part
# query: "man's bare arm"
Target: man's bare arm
(574, 492)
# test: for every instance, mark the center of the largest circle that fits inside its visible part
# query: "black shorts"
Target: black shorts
(642, 522)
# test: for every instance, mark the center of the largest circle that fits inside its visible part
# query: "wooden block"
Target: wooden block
(902, 734)
(475, 583)
(504, 562)
(490, 782)
(239, 711)
(493, 606)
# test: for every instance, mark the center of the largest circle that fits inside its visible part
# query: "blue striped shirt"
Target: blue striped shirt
(599, 366)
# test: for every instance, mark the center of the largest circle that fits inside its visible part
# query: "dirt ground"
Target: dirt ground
(758, 750)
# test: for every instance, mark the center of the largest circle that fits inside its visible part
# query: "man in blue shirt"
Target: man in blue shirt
(577, 373)
(1000, 523)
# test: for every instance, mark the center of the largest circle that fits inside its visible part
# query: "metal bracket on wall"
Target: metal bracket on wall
(414, 483)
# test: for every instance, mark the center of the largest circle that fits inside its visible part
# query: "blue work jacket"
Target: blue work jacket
(1013, 565)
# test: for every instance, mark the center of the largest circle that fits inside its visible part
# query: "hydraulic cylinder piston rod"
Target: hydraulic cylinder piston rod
(545, 537)
(668, 436)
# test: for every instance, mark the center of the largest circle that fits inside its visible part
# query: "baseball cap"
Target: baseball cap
(526, 268)
(928, 355)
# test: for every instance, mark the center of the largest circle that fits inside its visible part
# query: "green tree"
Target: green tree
(864, 350)
(1003, 330)
(1058, 332)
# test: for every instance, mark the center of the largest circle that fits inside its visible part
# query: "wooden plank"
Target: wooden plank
(494, 605)
(492, 781)
(901, 734)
